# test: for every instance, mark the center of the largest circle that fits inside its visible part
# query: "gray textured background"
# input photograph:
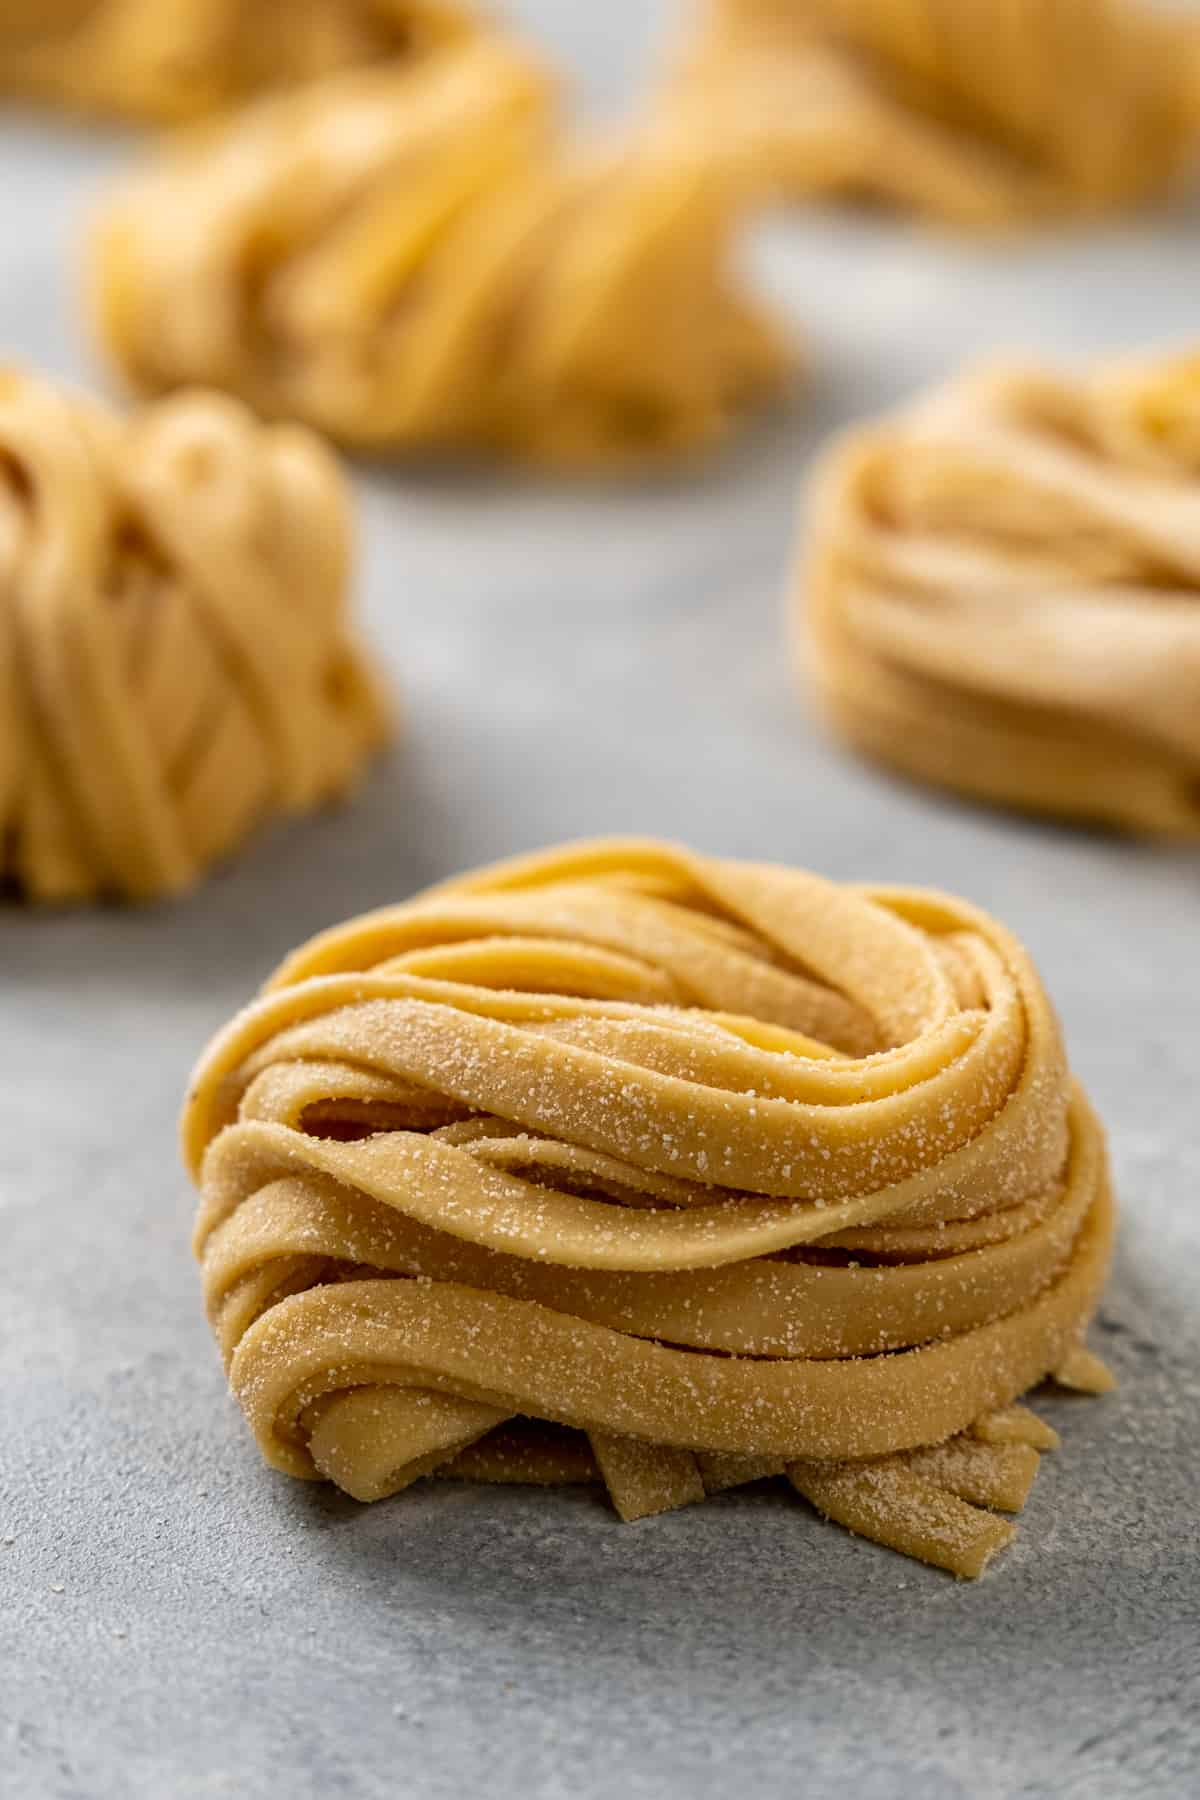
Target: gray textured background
(177, 1621)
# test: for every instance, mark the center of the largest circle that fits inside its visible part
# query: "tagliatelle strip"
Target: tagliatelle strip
(983, 114)
(628, 1163)
(175, 663)
(166, 60)
(1002, 591)
(416, 259)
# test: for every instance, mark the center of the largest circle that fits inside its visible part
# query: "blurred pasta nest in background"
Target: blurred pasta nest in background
(420, 257)
(167, 60)
(977, 112)
(1001, 591)
(176, 663)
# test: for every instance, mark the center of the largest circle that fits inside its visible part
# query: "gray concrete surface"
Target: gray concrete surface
(177, 1621)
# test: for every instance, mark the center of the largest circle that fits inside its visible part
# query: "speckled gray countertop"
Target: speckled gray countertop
(177, 1621)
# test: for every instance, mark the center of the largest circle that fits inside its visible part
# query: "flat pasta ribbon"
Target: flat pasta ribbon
(1002, 591)
(416, 259)
(978, 113)
(175, 663)
(167, 60)
(628, 1163)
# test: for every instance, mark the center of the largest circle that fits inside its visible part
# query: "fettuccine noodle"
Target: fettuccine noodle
(415, 258)
(978, 113)
(166, 60)
(1002, 593)
(174, 661)
(627, 1163)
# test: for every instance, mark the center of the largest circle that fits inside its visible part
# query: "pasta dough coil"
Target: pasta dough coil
(624, 1161)
(1002, 591)
(167, 60)
(414, 259)
(174, 661)
(982, 114)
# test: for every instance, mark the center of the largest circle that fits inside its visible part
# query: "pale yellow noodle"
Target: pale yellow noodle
(166, 60)
(175, 662)
(417, 259)
(1001, 593)
(449, 1222)
(974, 112)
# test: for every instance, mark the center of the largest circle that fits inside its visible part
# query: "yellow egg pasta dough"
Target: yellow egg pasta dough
(419, 260)
(175, 662)
(621, 1163)
(1000, 591)
(162, 61)
(977, 113)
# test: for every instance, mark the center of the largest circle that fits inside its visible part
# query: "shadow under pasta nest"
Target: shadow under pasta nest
(1179, 854)
(292, 878)
(753, 1570)
(788, 427)
(560, 1543)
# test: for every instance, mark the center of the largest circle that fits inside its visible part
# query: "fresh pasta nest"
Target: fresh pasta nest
(413, 258)
(980, 113)
(1002, 591)
(166, 60)
(624, 1162)
(175, 664)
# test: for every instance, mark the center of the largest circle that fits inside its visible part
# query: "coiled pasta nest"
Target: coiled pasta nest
(625, 1161)
(416, 259)
(175, 663)
(1002, 591)
(985, 113)
(166, 60)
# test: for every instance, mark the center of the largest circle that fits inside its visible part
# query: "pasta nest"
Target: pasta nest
(414, 258)
(168, 60)
(1002, 591)
(982, 114)
(174, 660)
(620, 1159)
